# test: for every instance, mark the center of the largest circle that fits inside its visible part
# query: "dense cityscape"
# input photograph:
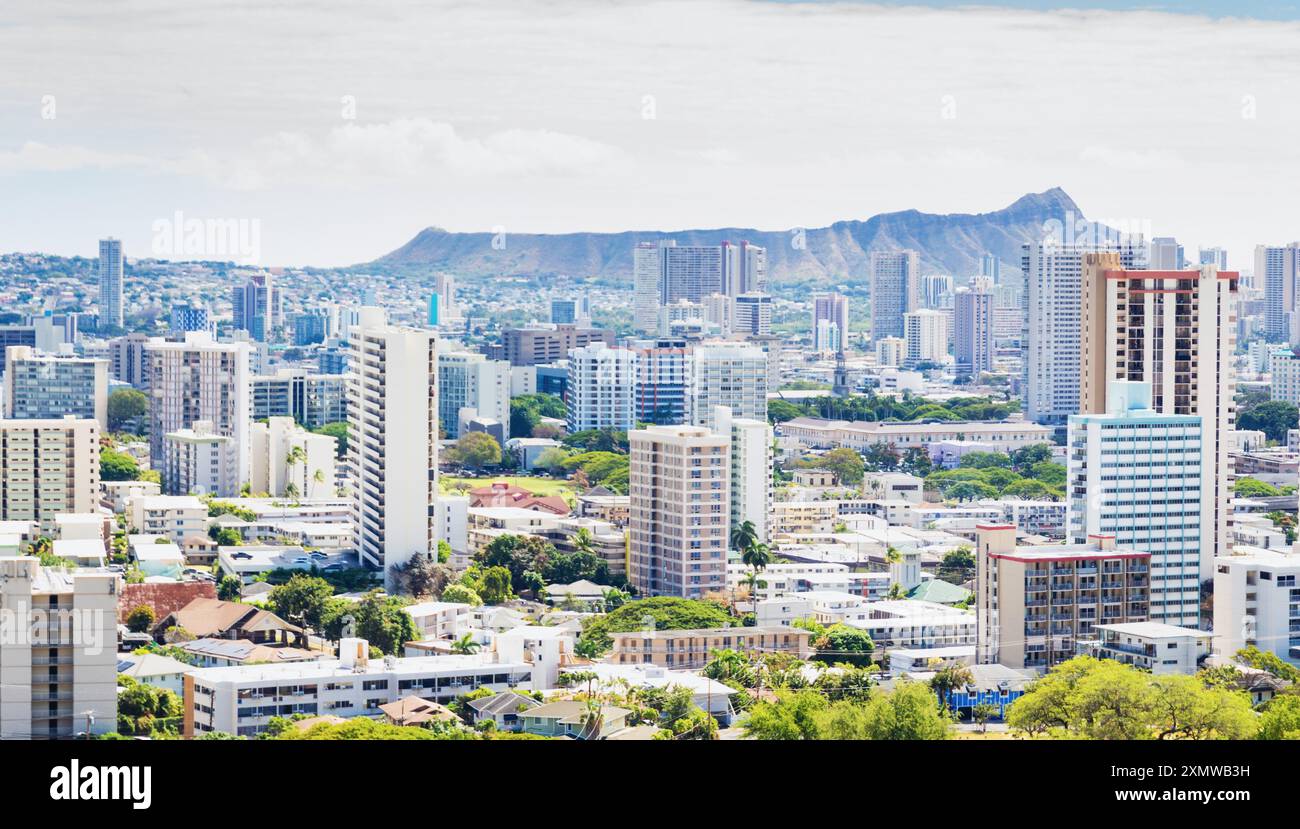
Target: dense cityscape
(980, 467)
(263, 502)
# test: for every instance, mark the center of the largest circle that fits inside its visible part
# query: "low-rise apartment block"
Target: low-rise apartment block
(242, 700)
(1036, 602)
(1151, 646)
(692, 648)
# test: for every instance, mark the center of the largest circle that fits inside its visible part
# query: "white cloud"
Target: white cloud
(35, 157)
(471, 115)
(419, 146)
(1128, 158)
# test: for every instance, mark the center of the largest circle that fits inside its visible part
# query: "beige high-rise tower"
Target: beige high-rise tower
(1177, 331)
(679, 511)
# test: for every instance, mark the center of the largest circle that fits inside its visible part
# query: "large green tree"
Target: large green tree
(1273, 418)
(846, 463)
(477, 450)
(302, 600)
(339, 431)
(1086, 698)
(117, 466)
(126, 407)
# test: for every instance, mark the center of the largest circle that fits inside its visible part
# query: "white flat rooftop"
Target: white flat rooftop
(333, 668)
(1155, 630)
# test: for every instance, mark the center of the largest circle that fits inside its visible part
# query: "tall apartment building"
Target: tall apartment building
(744, 269)
(773, 347)
(895, 290)
(126, 359)
(662, 375)
(1257, 603)
(686, 318)
(289, 460)
(471, 381)
(679, 510)
(1035, 602)
(1218, 257)
(991, 267)
(311, 399)
(311, 327)
(719, 310)
(830, 322)
(42, 386)
(1135, 474)
(194, 380)
(601, 389)
(392, 440)
(972, 331)
(1175, 330)
(752, 315)
(751, 470)
(200, 461)
(11, 335)
(1165, 254)
(542, 343)
(444, 286)
(647, 270)
(191, 317)
(110, 283)
(1052, 345)
(1276, 270)
(48, 468)
(891, 351)
(936, 291)
(664, 273)
(925, 333)
(1284, 376)
(731, 375)
(61, 680)
(258, 307)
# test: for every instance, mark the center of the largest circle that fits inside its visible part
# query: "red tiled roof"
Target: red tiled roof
(165, 599)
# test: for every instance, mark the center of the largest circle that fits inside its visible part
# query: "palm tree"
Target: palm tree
(465, 645)
(948, 679)
(582, 541)
(754, 583)
(757, 556)
(743, 535)
(614, 599)
(892, 555)
(317, 477)
(295, 455)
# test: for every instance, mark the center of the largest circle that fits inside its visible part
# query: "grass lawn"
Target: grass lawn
(537, 486)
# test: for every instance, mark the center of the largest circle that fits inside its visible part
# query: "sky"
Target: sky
(338, 130)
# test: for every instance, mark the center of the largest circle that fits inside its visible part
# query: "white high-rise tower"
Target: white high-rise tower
(392, 440)
(110, 283)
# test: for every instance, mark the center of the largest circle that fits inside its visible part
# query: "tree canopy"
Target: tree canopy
(125, 406)
(1087, 698)
(665, 612)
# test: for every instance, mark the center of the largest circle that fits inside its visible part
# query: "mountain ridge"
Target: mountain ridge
(950, 243)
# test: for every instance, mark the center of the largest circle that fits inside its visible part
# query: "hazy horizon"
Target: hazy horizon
(715, 113)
